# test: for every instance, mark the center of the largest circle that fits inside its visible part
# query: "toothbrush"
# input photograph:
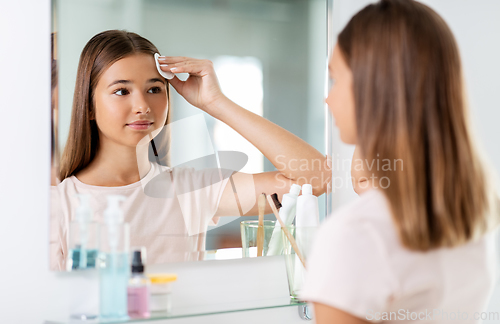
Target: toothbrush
(273, 202)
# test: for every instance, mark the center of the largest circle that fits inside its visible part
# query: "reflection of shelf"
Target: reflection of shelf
(187, 312)
(219, 309)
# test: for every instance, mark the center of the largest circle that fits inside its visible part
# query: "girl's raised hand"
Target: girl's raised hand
(202, 88)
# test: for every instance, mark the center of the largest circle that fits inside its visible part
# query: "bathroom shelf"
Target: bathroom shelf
(222, 284)
(177, 313)
(212, 310)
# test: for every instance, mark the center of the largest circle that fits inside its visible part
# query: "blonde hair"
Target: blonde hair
(411, 107)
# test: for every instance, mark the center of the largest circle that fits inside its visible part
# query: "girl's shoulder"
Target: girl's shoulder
(371, 207)
(364, 222)
(61, 186)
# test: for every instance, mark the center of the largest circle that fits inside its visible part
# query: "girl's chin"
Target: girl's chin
(147, 135)
(144, 137)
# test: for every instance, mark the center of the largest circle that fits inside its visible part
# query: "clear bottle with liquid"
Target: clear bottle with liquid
(114, 265)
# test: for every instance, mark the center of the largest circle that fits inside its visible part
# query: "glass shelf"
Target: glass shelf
(219, 309)
(204, 310)
(183, 311)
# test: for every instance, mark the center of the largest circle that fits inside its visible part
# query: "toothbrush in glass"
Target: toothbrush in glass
(273, 202)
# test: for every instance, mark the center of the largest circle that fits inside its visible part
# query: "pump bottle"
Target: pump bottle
(114, 263)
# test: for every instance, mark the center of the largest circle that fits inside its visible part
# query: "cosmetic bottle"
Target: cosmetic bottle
(114, 263)
(287, 214)
(83, 237)
(307, 217)
(138, 287)
(307, 208)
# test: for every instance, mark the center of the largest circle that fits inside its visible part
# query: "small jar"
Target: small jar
(160, 292)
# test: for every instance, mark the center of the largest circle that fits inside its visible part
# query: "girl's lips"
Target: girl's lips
(139, 126)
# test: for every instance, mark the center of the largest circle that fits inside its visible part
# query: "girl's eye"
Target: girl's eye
(121, 92)
(154, 90)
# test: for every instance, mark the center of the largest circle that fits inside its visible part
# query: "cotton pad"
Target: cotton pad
(166, 75)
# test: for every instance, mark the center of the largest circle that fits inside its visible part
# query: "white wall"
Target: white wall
(28, 291)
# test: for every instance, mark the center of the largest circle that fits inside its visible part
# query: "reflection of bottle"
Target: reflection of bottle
(307, 208)
(83, 237)
(138, 288)
(114, 263)
(287, 214)
(83, 244)
(82, 258)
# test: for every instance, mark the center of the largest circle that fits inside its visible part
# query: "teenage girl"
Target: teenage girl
(418, 244)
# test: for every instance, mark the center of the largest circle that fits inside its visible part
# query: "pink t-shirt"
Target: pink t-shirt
(168, 214)
(357, 264)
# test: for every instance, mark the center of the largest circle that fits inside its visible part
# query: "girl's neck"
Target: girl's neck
(116, 166)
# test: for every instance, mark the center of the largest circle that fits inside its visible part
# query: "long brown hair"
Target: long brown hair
(99, 53)
(411, 107)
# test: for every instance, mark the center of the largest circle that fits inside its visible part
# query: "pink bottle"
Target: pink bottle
(138, 289)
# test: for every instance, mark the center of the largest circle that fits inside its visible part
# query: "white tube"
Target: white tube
(307, 216)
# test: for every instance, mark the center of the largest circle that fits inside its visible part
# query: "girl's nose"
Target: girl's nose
(143, 109)
(141, 105)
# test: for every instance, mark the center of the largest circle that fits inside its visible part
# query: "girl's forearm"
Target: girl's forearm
(291, 155)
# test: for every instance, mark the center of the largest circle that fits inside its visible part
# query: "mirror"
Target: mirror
(270, 57)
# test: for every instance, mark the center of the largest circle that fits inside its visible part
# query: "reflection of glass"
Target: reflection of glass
(304, 236)
(249, 231)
